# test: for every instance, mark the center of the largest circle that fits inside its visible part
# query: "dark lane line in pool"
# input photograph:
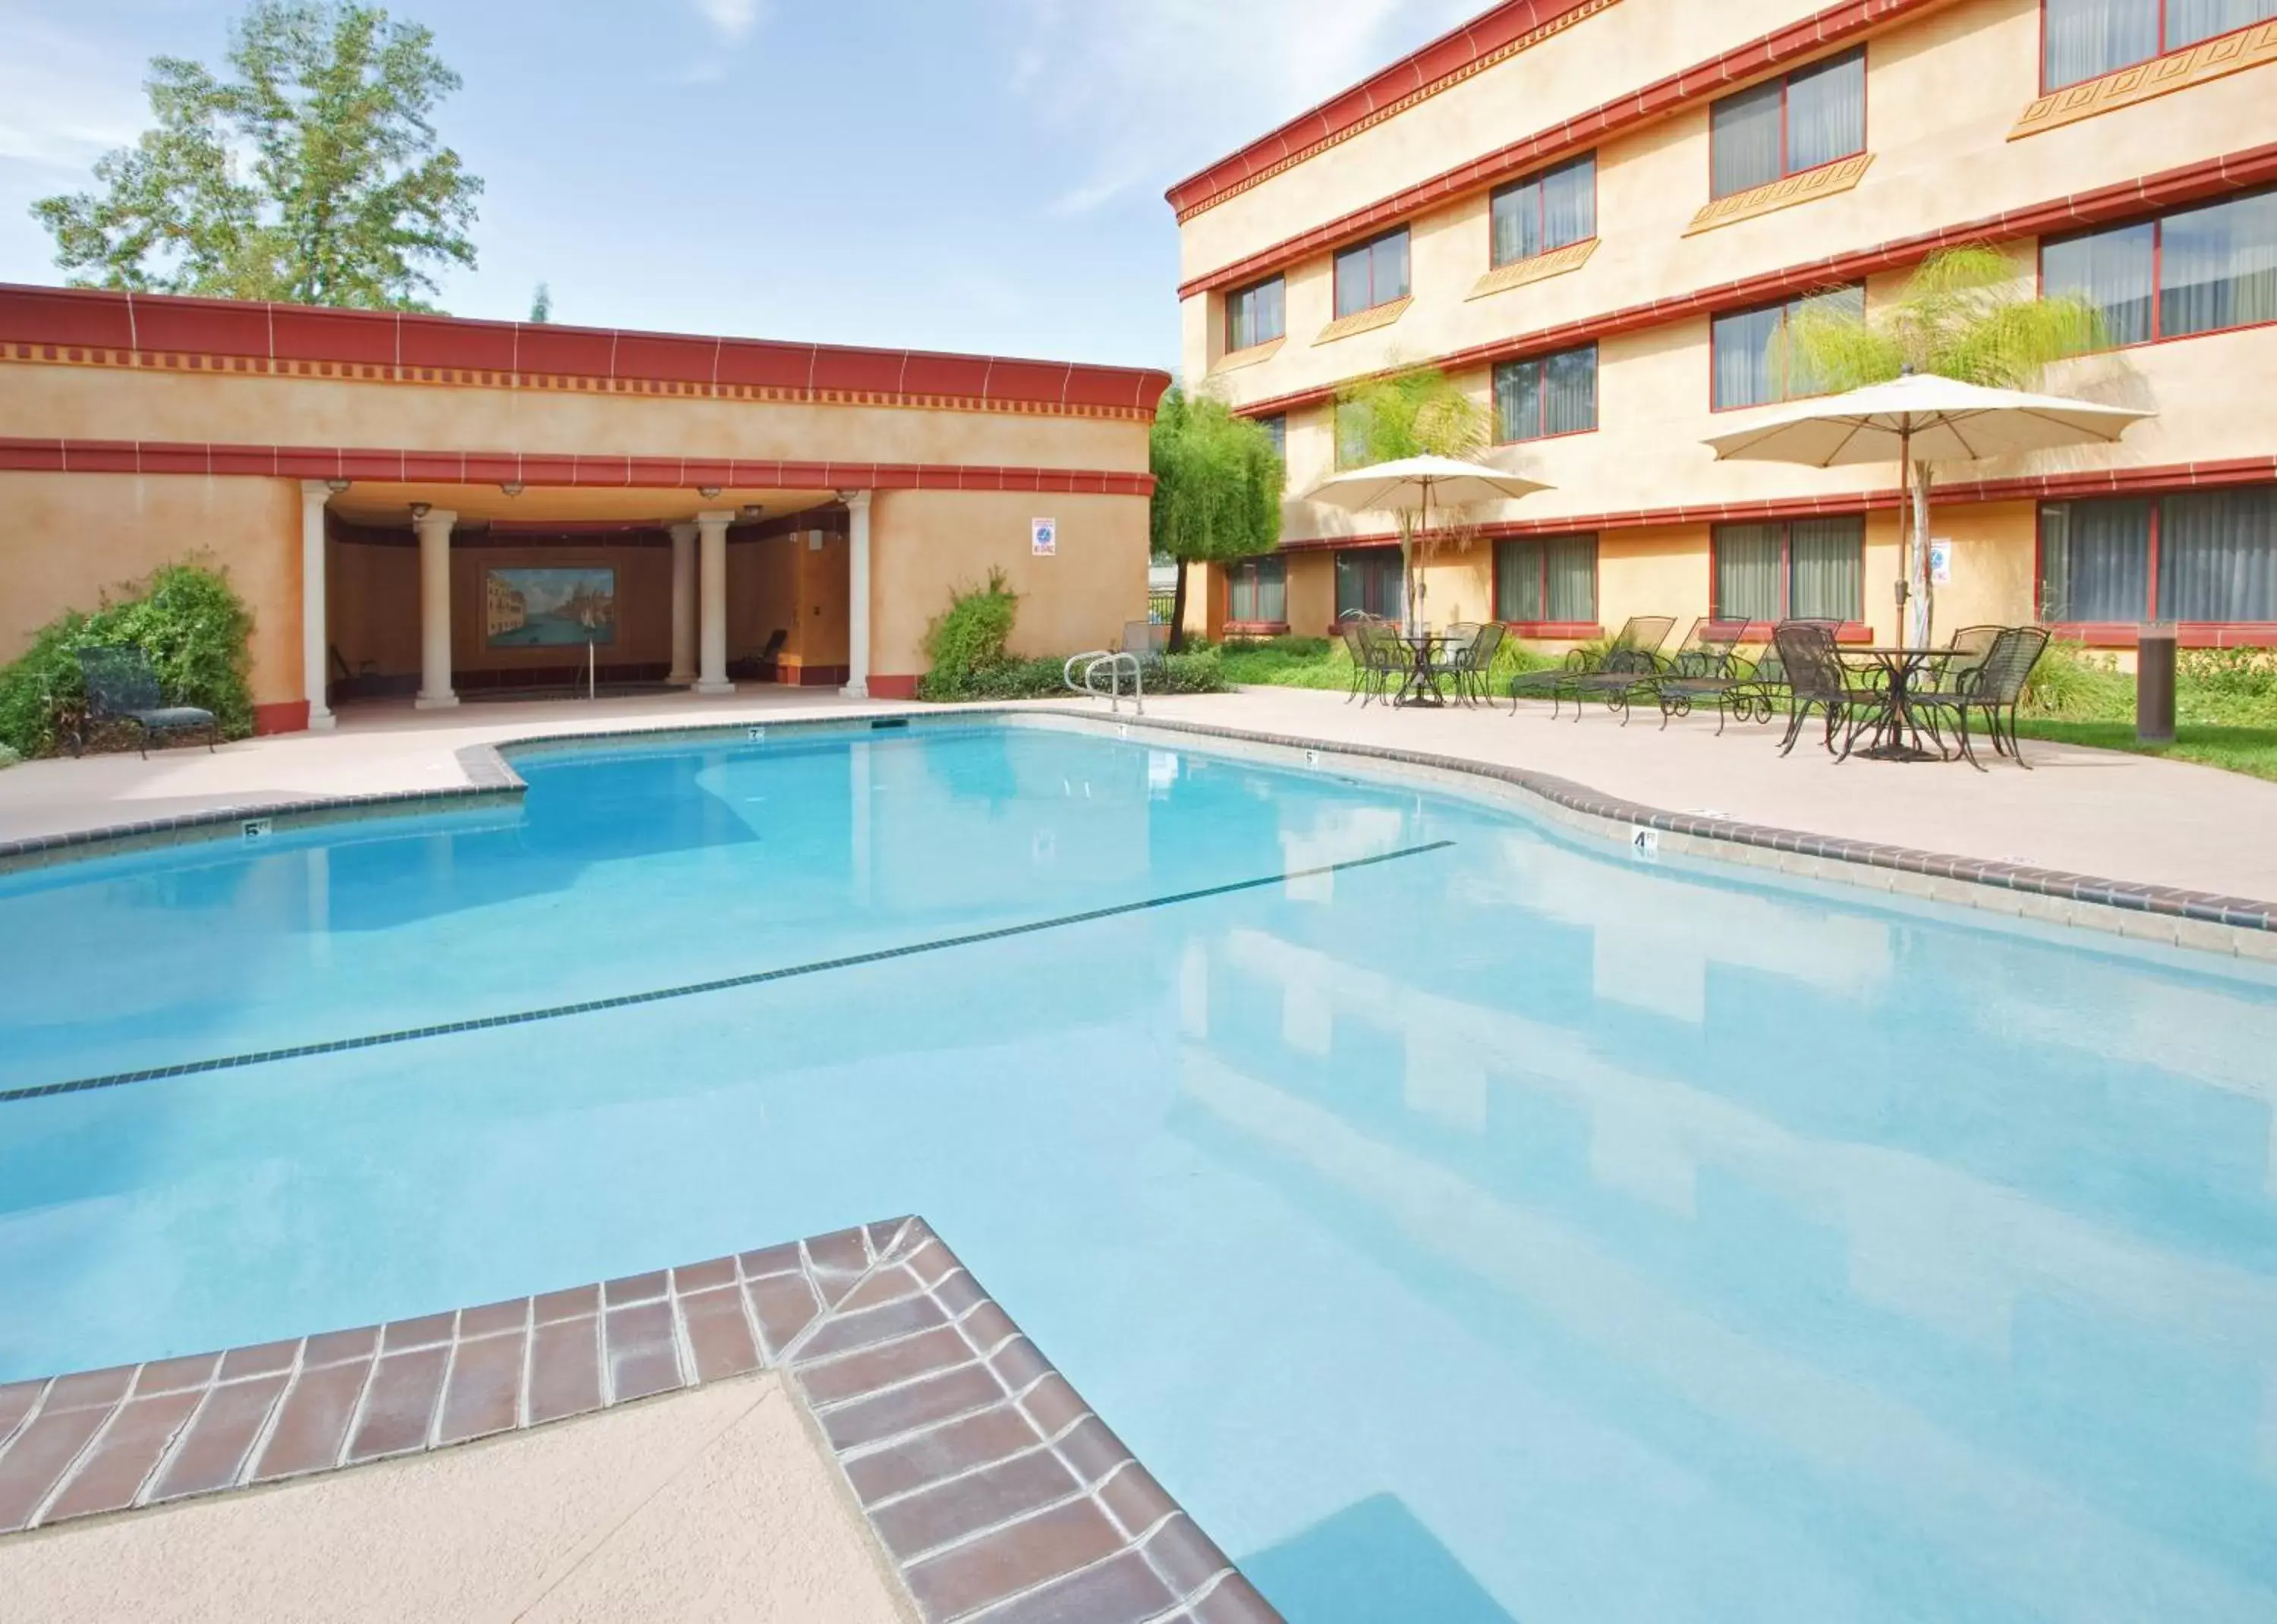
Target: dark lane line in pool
(559, 1011)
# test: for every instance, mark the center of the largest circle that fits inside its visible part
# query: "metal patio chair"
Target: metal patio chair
(1644, 632)
(121, 687)
(1817, 679)
(1995, 687)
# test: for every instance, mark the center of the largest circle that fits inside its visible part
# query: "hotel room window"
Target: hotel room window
(2086, 38)
(1549, 211)
(1369, 582)
(1372, 273)
(2196, 270)
(1258, 591)
(1546, 395)
(1811, 116)
(1747, 348)
(1813, 569)
(2200, 557)
(1255, 315)
(1547, 579)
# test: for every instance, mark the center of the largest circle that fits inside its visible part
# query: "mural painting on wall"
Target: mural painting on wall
(549, 608)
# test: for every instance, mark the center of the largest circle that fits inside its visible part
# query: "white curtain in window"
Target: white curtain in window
(1748, 563)
(2218, 266)
(1744, 145)
(1518, 582)
(1389, 272)
(1370, 581)
(2095, 561)
(1352, 281)
(1517, 400)
(1828, 565)
(1826, 112)
(1572, 570)
(1569, 202)
(2218, 555)
(2189, 21)
(2114, 272)
(1518, 223)
(2088, 38)
(1743, 357)
(1569, 390)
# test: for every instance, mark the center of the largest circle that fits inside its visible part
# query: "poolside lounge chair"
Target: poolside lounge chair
(1817, 679)
(1995, 686)
(1628, 657)
(121, 687)
(1710, 668)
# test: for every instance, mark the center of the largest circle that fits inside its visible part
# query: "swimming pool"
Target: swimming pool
(1489, 1228)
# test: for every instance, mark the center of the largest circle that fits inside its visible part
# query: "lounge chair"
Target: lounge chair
(1994, 686)
(1711, 668)
(1626, 674)
(1643, 632)
(121, 687)
(1817, 679)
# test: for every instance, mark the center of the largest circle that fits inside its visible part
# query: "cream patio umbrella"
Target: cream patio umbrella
(1411, 485)
(1917, 420)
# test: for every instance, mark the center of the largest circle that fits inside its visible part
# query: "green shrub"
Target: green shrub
(8, 756)
(2070, 682)
(2235, 673)
(1197, 670)
(967, 639)
(185, 618)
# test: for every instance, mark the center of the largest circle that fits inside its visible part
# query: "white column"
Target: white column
(857, 595)
(683, 606)
(711, 536)
(314, 616)
(434, 528)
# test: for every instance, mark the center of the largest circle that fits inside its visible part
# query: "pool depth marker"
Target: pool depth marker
(726, 983)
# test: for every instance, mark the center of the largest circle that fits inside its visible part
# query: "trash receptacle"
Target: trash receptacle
(2154, 686)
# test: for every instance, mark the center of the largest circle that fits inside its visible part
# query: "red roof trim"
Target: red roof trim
(2231, 172)
(404, 341)
(1562, 140)
(1425, 70)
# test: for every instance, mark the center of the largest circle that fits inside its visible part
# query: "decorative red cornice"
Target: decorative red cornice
(1621, 115)
(93, 326)
(2157, 480)
(1448, 60)
(423, 467)
(2234, 171)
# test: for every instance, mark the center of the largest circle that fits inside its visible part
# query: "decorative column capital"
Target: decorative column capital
(715, 518)
(857, 501)
(436, 518)
(316, 490)
(686, 530)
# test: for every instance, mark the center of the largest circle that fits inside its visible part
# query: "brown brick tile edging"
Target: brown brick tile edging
(994, 1490)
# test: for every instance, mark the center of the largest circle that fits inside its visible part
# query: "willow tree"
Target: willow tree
(1416, 412)
(1968, 313)
(1218, 489)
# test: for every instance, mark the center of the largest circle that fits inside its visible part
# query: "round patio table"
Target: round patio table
(1425, 671)
(1895, 729)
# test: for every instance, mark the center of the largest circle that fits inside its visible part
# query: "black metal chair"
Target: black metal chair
(1353, 629)
(1710, 667)
(1583, 666)
(1817, 679)
(1387, 656)
(121, 687)
(1995, 687)
(1472, 665)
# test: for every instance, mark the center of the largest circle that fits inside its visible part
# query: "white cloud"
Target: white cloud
(732, 21)
(1151, 89)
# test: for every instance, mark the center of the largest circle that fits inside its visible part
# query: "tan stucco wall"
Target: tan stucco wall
(823, 582)
(926, 544)
(1312, 593)
(68, 539)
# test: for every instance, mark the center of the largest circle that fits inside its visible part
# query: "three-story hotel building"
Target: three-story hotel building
(1596, 215)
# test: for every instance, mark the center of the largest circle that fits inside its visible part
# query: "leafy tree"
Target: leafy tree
(343, 195)
(1218, 489)
(1967, 313)
(1417, 411)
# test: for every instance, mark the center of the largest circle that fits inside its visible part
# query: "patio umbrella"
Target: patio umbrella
(1917, 420)
(1411, 485)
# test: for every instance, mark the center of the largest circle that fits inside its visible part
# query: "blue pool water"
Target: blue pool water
(1498, 1231)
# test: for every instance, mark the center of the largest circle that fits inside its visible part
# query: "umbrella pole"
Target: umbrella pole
(1923, 587)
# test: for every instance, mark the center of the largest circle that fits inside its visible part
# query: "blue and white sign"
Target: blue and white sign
(1044, 537)
(1940, 562)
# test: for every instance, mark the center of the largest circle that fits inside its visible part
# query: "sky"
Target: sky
(972, 175)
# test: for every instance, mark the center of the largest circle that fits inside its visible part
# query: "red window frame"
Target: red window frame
(1554, 628)
(1850, 629)
(1791, 303)
(1250, 566)
(2121, 633)
(1788, 171)
(1367, 246)
(1252, 287)
(1494, 389)
(2164, 49)
(1541, 211)
(2158, 224)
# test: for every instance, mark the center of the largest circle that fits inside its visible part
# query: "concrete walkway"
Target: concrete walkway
(2124, 817)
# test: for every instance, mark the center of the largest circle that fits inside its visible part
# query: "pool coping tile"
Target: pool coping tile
(991, 1489)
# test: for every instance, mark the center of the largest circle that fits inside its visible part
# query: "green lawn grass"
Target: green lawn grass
(2238, 748)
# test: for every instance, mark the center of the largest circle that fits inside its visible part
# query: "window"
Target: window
(2196, 270)
(1809, 570)
(1550, 578)
(1255, 315)
(1547, 394)
(1748, 348)
(1351, 436)
(1258, 591)
(1369, 581)
(1546, 211)
(2200, 557)
(1813, 116)
(1372, 274)
(1277, 429)
(2086, 38)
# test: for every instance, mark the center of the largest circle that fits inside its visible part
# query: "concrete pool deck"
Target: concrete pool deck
(2088, 812)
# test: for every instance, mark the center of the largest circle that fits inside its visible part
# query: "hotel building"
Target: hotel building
(1595, 217)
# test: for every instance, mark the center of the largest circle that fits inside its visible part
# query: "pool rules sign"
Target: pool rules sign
(1044, 537)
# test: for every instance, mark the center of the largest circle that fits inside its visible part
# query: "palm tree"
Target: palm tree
(1965, 314)
(1417, 411)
